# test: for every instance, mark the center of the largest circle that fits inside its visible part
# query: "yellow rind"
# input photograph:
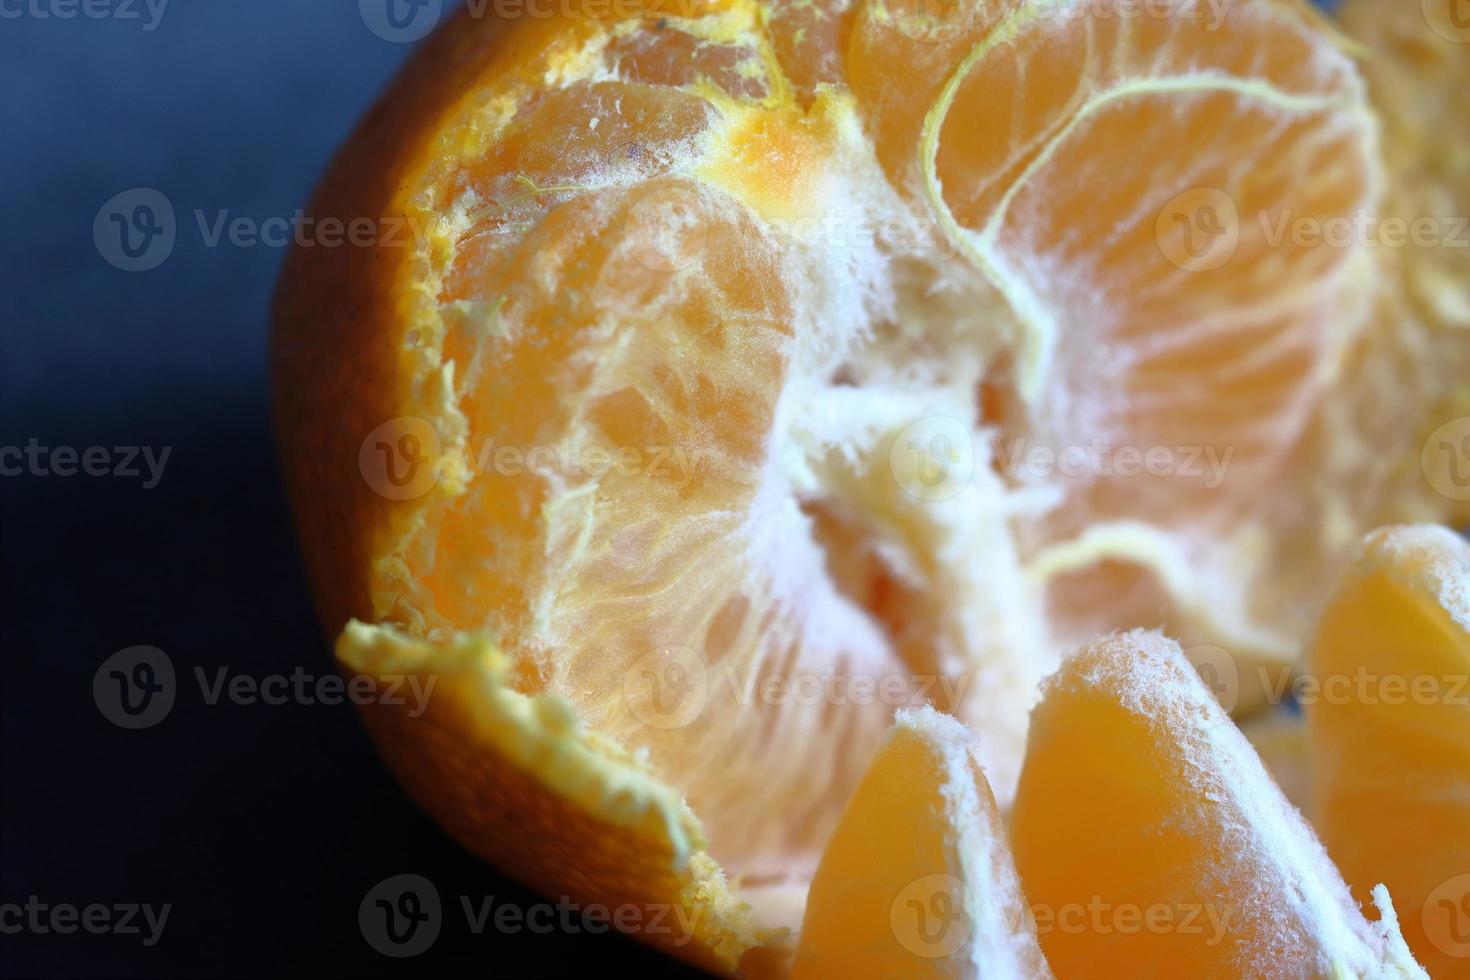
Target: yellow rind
(497, 768)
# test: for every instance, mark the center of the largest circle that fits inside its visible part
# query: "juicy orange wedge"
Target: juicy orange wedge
(918, 880)
(1148, 833)
(1389, 716)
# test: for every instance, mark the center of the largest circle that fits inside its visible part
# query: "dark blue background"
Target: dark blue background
(263, 826)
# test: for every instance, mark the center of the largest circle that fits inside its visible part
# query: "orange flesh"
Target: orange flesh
(611, 267)
(917, 880)
(1178, 854)
(1389, 710)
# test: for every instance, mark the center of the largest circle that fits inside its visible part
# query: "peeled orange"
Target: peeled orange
(752, 371)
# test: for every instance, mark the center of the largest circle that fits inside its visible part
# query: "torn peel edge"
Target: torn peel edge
(541, 737)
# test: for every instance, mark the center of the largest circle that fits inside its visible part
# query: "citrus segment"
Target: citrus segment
(1391, 734)
(1182, 858)
(1173, 329)
(917, 880)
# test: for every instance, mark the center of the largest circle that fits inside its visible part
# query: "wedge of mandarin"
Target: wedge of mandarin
(1390, 729)
(1148, 833)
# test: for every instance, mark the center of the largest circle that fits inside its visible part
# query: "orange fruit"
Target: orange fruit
(1414, 353)
(1168, 313)
(1390, 726)
(1147, 832)
(659, 418)
(917, 880)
